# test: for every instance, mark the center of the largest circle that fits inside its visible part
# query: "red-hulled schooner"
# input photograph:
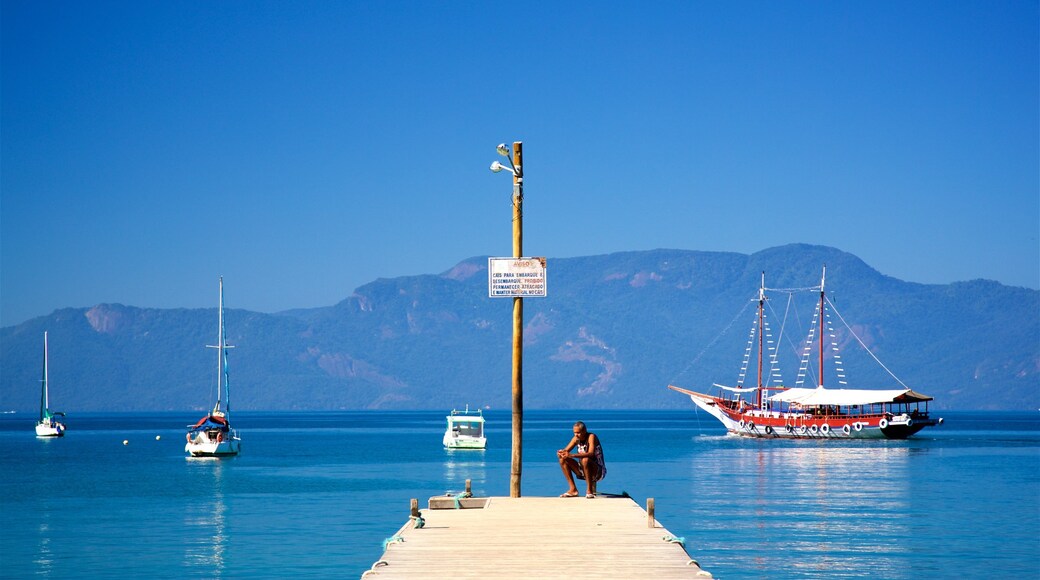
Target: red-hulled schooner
(775, 411)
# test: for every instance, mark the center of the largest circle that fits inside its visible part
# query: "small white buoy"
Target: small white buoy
(126, 442)
(156, 437)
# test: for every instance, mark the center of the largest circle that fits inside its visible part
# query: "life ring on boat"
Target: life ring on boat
(751, 426)
(743, 425)
(883, 423)
(804, 429)
(825, 428)
(789, 427)
(814, 429)
(769, 430)
(857, 426)
(909, 422)
(846, 429)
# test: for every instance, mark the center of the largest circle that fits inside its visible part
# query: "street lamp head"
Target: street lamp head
(502, 149)
(496, 167)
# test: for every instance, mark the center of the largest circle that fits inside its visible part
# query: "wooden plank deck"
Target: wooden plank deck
(536, 537)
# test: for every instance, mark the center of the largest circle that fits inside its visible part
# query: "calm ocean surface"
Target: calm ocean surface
(314, 494)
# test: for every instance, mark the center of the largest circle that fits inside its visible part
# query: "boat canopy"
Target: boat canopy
(465, 419)
(844, 397)
(210, 422)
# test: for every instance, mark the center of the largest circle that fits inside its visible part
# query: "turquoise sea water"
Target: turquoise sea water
(314, 494)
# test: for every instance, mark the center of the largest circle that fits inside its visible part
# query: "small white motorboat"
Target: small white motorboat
(465, 430)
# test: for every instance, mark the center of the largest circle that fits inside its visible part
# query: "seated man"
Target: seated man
(586, 464)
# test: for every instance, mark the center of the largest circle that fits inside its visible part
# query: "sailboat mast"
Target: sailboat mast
(823, 279)
(761, 339)
(220, 344)
(45, 402)
(223, 351)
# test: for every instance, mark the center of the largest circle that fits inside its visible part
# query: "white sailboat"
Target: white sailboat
(212, 435)
(48, 425)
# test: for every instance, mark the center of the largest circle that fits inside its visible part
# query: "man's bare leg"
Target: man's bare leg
(591, 471)
(569, 467)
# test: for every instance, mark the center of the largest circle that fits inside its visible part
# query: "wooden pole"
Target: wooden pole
(518, 325)
(413, 508)
(649, 512)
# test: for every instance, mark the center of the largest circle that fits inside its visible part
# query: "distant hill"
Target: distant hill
(614, 331)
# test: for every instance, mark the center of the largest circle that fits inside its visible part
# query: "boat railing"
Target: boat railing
(212, 436)
(831, 414)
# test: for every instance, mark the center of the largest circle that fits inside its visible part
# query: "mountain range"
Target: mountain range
(614, 331)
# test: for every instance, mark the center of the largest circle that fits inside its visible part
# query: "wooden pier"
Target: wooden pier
(535, 537)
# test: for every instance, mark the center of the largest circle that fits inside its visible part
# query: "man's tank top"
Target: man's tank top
(597, 455)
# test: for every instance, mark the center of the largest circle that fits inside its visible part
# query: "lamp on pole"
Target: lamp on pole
(516, 167)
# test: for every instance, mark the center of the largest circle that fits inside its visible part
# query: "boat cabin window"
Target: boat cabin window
(470, 429)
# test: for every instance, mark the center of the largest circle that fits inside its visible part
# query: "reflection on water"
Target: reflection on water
(808, 509)
(963, 503)
(205, 522)
(463, 464)
(44, 560)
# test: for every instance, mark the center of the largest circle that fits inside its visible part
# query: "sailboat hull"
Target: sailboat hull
(202, 445)
(47, 429)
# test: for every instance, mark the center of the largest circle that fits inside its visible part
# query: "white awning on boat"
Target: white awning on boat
(845, 397)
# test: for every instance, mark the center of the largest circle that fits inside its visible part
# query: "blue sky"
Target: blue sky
(301, 149)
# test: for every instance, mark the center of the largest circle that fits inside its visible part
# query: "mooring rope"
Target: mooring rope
(458, 504)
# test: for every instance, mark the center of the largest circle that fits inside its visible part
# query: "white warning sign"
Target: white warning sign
(512, 277)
